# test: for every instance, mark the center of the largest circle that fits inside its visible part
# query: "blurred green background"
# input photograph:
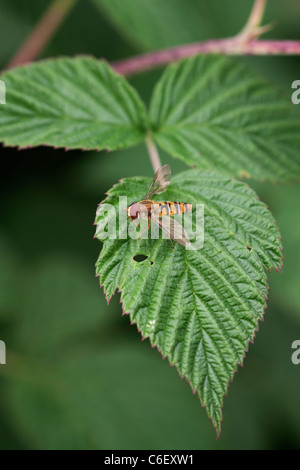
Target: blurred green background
(77, 374)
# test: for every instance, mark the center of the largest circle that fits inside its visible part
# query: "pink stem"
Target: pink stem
(230, 46)
(43, 32)
(153, 153)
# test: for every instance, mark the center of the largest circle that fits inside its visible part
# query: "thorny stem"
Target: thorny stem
(243, 43)
(43, 32)
(252, 28)
(153, 153)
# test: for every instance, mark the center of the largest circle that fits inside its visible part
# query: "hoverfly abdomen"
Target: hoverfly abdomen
(173, 208)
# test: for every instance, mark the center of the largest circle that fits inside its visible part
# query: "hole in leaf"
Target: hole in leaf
(152, 263)
(139, 258)
(249, 248)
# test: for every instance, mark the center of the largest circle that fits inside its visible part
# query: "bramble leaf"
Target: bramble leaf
(73, 103)
(200, 308)
(214, 113)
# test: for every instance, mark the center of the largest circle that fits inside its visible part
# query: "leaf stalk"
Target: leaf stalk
(153, 153)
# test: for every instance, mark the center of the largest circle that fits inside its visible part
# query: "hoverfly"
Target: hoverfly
(160, 212)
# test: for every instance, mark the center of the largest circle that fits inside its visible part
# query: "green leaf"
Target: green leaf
(200, 308)
(214, 113)
(73, 103)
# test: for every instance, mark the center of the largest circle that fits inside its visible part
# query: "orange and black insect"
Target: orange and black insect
(160, 212)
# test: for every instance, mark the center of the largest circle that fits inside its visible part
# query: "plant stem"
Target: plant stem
(229, 46)
(153, 153)
(43, 31)
(243, 43)
(251, 30)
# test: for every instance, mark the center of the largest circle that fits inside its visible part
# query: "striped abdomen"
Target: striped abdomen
(173, 208)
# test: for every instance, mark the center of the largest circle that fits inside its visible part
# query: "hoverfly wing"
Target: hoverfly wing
(160, 181)
(173, 228)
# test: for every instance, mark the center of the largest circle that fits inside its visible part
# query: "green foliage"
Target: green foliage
(77, 375)
(74, 103)
(285, 202)
(9, 286)
(208, 111)
(213, 113)
(102, 395)
(200, 308)
(74, 371)
(56, 282)
(156, 24)
(135, 19)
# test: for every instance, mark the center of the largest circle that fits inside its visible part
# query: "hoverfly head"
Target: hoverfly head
(133, 211)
